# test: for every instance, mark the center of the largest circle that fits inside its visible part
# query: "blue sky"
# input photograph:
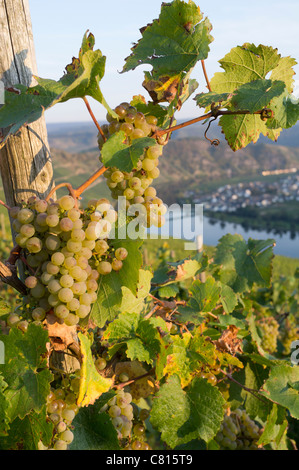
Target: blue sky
(59, 25)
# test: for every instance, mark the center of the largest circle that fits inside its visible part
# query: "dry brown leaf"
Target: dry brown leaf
(228, 341)
(61, 336)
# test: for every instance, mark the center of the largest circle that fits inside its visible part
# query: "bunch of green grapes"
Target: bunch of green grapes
(65, 250)
(61, 411)
(289, 332)
(136, 186)
(120, 410)
(138, 438)
(238, 432)
(269, 330)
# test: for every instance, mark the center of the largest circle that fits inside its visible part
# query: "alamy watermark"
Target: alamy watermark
(137, 221)
(295, 353)
(2, 93)
(2, 353)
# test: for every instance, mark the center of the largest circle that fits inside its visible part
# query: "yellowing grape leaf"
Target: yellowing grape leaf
(92, 384)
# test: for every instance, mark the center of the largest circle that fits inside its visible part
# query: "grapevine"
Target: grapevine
(104, 352)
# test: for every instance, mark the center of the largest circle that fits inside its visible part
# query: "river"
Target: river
(189, 226)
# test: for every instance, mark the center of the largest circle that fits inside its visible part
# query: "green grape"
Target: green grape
(25, 216)
(70, 262)
(38, 291)
(73, 214)
(52, 268)
(54, 286)
(116, 264)
(73, 305)
(41, 206)
(61, 311)
(104, 268)
(61, 427)
(269, 329)
(136, 445)
(66, 224)
(78, 235)
(144, 414)
(68, 415)
(57, 258)
(114, 411)
(27, 230)
(101, 364)
(34, 245)
(121, 254)
(52, 242)
(83, 311)
(71, 320)
(66, 203)
(31, 282)
(148, 164)
(65, 294)
(52, 220)
(38, 314)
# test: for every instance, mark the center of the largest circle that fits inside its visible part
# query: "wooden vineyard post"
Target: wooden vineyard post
(25, 161)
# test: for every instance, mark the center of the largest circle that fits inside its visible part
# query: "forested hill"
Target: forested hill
(187, 163)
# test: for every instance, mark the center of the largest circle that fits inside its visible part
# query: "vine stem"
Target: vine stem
(62, 185)
(90, 180)
(206, 75)
(124, 384)
(215, 114)
(5, 205)
(253, 392)
(94, 118)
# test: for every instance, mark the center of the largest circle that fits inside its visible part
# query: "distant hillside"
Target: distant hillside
(75, 137)
(188, 163)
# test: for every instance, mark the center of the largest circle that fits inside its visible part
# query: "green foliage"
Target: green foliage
(165, 355)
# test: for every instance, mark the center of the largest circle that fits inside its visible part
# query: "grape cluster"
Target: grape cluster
(238, 432)
(269, 330)
(136, 186)
(65, 250)
(61, 410)
(120, 411)
(289, 332)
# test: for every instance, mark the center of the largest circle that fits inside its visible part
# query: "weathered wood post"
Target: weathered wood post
(25, 161)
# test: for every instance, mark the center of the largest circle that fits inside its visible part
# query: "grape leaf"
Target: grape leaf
(183, 416)
(207, 99)
(257, 94)
(26, 433)
(205, 295)
(276, 422)
(174, 43)
(115, 153)
(286, 111)
(140, 336)
(94, 430)
(81, 79)
(180, 270)
(187, 356)
(135, 303)
(240, 130)
(25, 371)
(246, 68)
(92, 384)
(108, 303)
(5, 308)
(3, 407)
(244, 263)
(277, 388)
